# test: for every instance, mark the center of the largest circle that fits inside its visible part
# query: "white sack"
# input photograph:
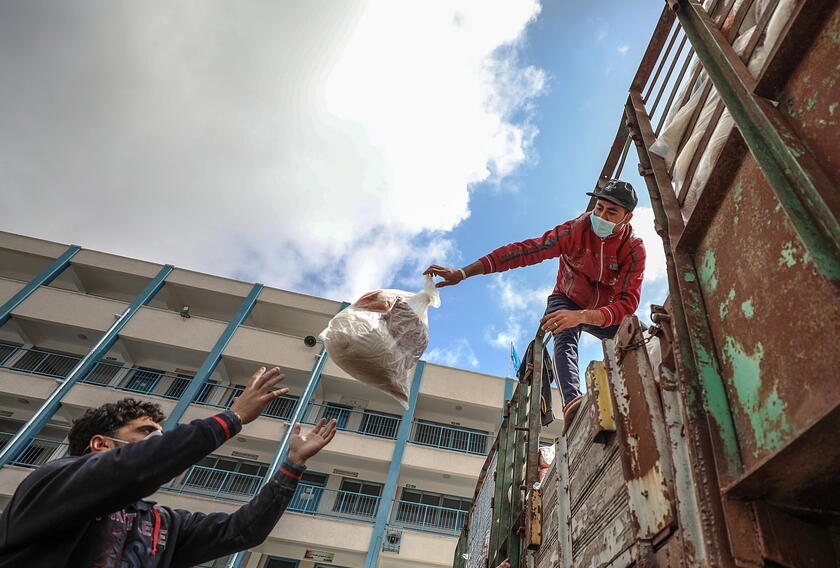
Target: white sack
(379, 338)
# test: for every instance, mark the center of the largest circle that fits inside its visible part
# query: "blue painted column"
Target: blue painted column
(48, 275)
(282, 451)
(80, 371)
(390, 489)
(212, 360)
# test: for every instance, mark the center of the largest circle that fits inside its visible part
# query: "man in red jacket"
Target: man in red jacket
(599, 280)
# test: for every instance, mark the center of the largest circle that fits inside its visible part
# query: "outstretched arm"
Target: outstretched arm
(204, 537)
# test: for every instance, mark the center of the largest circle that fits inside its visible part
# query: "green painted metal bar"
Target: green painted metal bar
(46, 276)
(521, 435)
(501, 469)
(43, 415)
(212, 360)
(804, 191)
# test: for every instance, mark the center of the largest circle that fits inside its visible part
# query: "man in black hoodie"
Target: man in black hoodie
(88, 510)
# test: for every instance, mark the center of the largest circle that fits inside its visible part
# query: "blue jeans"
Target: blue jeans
(566, 347)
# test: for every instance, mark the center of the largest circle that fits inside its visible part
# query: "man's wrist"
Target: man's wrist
(296, 458)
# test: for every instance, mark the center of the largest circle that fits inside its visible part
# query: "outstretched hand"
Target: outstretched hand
(252, 401)
(303, 447)
(451, 276)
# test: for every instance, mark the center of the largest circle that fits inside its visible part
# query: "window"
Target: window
(357, 497)
(282, 407)
(6, 351)
(226, 475)
(178, 386)
(142, 379)
(103, 373)
(280, 563)
(428, 509)
(308, 493)
(206, 390)
(49, 363)
(380, 424)
(341, 413)
(439, 435)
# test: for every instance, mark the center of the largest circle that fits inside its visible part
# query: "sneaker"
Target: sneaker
(570, 410)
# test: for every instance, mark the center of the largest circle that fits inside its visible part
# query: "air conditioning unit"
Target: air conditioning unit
(392, 540)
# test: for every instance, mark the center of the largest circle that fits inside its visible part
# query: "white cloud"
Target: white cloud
(315, 146)
(643, 226)
(622, 49)
(601, 35)
(459, 354)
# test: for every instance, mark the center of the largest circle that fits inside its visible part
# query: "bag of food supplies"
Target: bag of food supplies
(380, 337)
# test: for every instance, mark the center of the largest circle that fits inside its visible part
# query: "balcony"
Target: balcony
(430, 518)
(38, 452)
(450, 438)
(308, 499)
(156, 383)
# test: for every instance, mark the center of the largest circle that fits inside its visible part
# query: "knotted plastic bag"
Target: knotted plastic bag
(379, 338)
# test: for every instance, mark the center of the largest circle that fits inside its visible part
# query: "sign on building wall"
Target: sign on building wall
(319, 556)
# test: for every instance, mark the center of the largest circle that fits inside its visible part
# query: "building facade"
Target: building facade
(391, 490)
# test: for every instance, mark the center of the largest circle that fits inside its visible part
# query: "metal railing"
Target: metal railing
(431, 518)
(450, 438)
(38, 452)
(308, 499)
(367, 422)
(35, 361)
(221, 396)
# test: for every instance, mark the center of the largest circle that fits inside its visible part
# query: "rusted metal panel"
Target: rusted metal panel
(600, 412)
(564, 507)
(641, 433)
(811, 97)
(775, 336)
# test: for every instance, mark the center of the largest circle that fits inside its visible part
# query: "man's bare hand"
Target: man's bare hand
(256, 396)
(451, 276)
(303, 447)
(504, 564)
(555, 322)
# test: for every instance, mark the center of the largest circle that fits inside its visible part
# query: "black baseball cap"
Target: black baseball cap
(618, 192)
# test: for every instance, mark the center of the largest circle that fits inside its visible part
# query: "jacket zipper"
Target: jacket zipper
(600, 273)
(156, 534)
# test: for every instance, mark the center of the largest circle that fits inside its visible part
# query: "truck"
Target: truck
(712, 437)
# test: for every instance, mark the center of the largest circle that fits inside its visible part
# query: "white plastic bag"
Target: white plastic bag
(379, 338)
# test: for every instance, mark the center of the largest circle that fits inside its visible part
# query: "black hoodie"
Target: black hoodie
(89, 510)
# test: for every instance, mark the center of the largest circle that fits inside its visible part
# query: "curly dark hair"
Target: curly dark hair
(107, 419)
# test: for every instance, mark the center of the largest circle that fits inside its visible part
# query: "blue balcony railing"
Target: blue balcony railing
(367, 422)
(430, 518)
(38, 452)
(309, 499)
(450, 438)
(156, 383)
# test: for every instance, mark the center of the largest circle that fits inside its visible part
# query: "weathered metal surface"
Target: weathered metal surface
(600, 412)
(548, 553)
(641, 433)
(710, 435)
(810, 99)
(803, 189)
(773, 334)
(564, 504)
(689, 513)
(533, 519)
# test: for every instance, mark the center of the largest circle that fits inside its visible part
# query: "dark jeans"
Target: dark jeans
(566, 347)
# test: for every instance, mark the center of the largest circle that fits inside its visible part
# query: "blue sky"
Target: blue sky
(329, 148)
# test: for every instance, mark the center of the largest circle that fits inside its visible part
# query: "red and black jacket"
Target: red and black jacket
(594, 273)
(89, 511)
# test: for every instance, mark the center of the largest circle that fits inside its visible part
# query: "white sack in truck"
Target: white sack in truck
(380, 337)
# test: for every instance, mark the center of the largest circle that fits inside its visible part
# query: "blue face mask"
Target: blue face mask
(601, 227)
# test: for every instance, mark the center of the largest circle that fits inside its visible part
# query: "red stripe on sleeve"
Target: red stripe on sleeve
(224, 424)
(289, 473)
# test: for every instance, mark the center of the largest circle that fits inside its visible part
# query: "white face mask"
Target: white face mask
(123, 442)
